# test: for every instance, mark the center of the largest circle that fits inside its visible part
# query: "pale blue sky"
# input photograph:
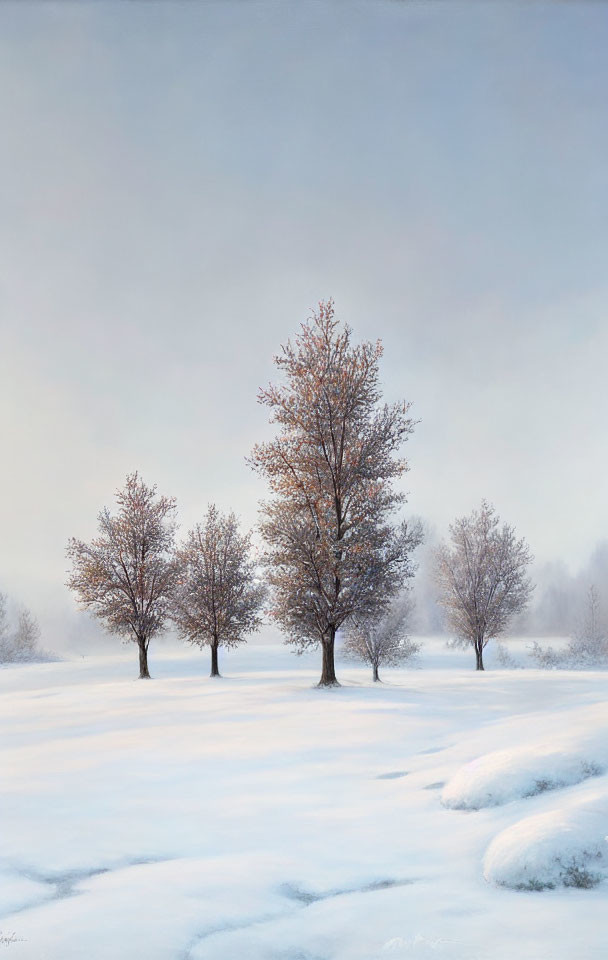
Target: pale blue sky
(180, 183)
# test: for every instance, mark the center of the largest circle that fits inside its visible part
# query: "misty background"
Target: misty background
(180, 183)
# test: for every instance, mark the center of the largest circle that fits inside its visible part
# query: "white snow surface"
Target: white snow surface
(257, 817)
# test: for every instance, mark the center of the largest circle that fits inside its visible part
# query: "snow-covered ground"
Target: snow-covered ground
(258, 818)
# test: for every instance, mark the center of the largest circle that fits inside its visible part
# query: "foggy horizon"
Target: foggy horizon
(181, 184)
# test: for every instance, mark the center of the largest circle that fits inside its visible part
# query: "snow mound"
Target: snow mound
(18, 892)
(563, 847)
(505, 775)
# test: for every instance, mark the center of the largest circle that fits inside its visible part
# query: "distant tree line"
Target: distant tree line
(587, 645)
(19, 639)
(336, 558)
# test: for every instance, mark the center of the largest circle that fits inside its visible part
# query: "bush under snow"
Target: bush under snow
(588, 646)
(505, 775)
(563, 847)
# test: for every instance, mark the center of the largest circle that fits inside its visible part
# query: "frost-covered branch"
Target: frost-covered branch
(125, 576)
(218, 595)
(482, 578)
(333, 550)
(382, 640)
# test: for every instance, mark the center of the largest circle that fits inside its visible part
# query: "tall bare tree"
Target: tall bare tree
(125, 576)
(218, 597)
(382, 640)
(332, 550)
(482, 578)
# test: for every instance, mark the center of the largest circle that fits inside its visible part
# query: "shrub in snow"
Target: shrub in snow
(506, 775)
(565, 847)
(20, 645)
(505, 658)
(587, 647)
(547, 658)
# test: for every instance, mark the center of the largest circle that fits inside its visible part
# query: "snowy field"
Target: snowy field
(441, 814)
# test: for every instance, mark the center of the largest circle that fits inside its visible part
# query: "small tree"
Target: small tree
(482, 578)
(589, 643)
(21, 644)
(126, 575)
(218, 599)
(383, 640)
(332, 551)
(27, 636)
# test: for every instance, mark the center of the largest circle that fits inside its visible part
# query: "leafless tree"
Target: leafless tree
(27, 635)
(505, 658)
(218, 597)
(590, 641)
(482, 578)
(126, 575)
(382, 640)
(332, 550)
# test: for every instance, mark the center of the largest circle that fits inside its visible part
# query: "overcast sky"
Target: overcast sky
(181, 183)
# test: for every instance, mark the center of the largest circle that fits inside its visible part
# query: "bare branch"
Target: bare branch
(482, 578)
(332, 551)
(125, 576)
(218, 597)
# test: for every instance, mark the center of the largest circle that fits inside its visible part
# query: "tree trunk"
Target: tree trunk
(479, 656)
(215, 671)
(376, 677)
(144, 673)
(328, 675)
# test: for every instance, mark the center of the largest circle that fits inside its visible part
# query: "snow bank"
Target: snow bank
(563, 847)
(18, 892)
(189, 819)
(505, 775)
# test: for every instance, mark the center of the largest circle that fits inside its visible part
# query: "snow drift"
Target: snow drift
(188, 819)
(506, 775)
(562, 847)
